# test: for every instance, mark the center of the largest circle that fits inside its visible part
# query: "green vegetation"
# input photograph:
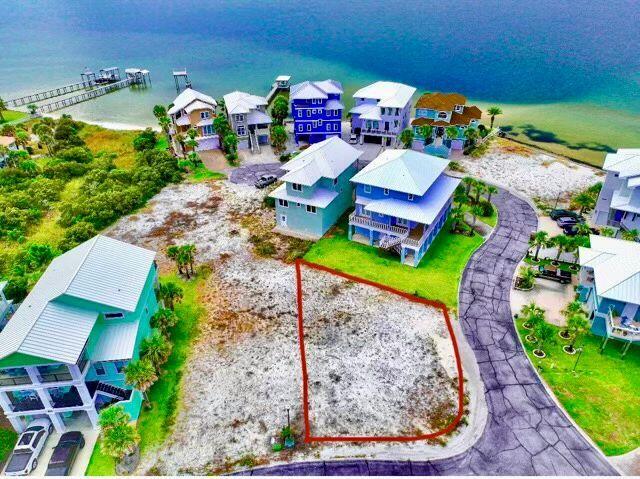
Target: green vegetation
(202, 173)
(154, 424)
(436, 277)
(12, 115)
(601, 395)
(8, 438)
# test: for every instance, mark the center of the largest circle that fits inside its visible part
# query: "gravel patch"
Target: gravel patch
(532, 173)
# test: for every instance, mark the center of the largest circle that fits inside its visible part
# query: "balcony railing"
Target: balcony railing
(31, 403)
(355, 219)
(630, 333)
(377, 131)
(14, 380)
(70, 398)
(55, 377)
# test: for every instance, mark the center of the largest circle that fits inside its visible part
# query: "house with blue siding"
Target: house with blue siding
(64, 350)
(449, 116)
(382, 111)
(316, 109)
(403, 199)
(316, 189)
(609, 287)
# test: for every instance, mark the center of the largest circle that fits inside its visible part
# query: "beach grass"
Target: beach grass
(601, 395)
(436, 277)
(155, 423)
(120, 142)
(11, 116)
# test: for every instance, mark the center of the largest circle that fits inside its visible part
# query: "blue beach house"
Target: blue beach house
(63, 352)
(316, 189)
(403, 199)
(316, 110)
(609, 286)
(449, 116)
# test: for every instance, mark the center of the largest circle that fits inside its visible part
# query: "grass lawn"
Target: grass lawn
(8, 438)
(491, 220)
(437, 276)
(12, 115)
(602, 395)
(155, 423)
(202, 173)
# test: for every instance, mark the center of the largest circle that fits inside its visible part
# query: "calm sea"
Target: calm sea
(566, 73)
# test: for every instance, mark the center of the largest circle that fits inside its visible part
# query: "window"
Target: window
(308, 112)
(300, 127)
(395, 123)
(120, 365)
(335, 181)
(382, 111)
(298, 205)
(410, 197)
(366, 213)
(299, 113)
(328, 126)
(113, 315)
(367, 188)
(207, 130)
(442, 114)
(99, 369)
(313, 110)
(320, 122)
(386, 191)
(283, 203)
(397, 111)
(296, 186)
(308, 127)
(311, 209)
(402, 221)
(204, 115)
(335, 127)
(241, 131)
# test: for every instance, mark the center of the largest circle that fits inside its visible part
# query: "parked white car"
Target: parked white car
(24, 458)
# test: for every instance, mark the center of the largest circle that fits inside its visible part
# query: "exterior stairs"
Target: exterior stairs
(116, 392)
(390, 241)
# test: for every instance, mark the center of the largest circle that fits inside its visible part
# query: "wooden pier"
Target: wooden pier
(282, 83)
(54, 92)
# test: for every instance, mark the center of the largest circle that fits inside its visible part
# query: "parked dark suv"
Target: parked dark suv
(65, 453)
(559, 213)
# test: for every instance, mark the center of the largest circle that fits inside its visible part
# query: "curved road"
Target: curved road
(526, 433)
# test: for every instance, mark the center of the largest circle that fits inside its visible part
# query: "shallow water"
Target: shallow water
(567, 74)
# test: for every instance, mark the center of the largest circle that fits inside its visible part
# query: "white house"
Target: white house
(248, 118)
(192, 109)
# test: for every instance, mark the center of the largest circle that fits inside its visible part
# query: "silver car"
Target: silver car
(24, 458)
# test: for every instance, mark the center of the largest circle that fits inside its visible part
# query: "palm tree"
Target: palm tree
(573, 308)
(173, 252)
(476, 210)
(406, 137)
(583, 229)
(3, 107)
(113, 416)
(493, 112)
(159, 111)
(608, 232)
(471, 134)
(452, 132)
(156, 348)
(468, 183)
(119, 441)
(544, 332)
(532, 314)
(561, 242)
(460, 196)
(21, 137)
(527, 277)
(180, 138)
(164, 319)
(480, 188)
(141, 374)
(585, 201)
(183, 258)
(191, 139)
(190, 253)
(425, 132)
(540, 240)
(491, 190)
(630, 235)
(456, 215)
(578, 324)
(170, 293)
(165, 124)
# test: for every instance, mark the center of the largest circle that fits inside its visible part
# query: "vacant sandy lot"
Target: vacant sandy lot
(244, 372)
(378, 364)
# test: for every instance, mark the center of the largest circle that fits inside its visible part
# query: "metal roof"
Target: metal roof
(616, 267)
(334, 105)
(315, 89)
(101, 270)
(117, 342)
(321, 197)
(187, 97)
(406, 171)
(626, 162)
(388, 94)
(326, 159)
(198, 105)
(423, 210)
(241, 102)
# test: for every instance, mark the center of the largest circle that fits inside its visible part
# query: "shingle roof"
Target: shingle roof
(189, 96)
(326, 159)
(103, 271)
(314, 89)
(626, 162)
(388, 94)
(441, 101)
(240, 102)
(616, 267)
(407, 171)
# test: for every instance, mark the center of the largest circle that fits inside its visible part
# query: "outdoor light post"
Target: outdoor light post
(577, 359)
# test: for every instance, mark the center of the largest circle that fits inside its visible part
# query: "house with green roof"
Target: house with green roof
(64, 350)
(609, 286)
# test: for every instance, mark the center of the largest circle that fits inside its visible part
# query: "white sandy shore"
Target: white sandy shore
(111, 125)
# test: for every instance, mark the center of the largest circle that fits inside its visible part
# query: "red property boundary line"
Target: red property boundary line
(305, 380)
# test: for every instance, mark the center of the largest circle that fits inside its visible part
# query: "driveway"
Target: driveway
(526, 432)
(248, 175)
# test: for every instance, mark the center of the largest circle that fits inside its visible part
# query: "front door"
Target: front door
(386, 126)
(283, 220)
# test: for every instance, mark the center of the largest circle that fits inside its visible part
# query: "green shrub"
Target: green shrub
(146, 140)
(77, 154)
(64, 170)
(76, 234)
(486, 207)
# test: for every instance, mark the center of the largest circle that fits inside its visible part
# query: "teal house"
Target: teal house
(63, 352)
(316, 189)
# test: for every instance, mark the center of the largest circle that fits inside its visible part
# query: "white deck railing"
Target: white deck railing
(368, 222)
(629, 333)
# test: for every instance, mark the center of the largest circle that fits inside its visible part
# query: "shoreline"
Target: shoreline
(109, 125)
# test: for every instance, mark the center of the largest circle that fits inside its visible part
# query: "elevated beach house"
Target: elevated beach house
(316, 110)
(610, 288)
(619, 201)
(8, 143)
(192, 109)
(63, 352)
(403, 199)
(382, 110)
(316, 189)
(449, 116)
(248, 118)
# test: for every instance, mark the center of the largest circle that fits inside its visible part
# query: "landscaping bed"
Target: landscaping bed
(601, 395)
